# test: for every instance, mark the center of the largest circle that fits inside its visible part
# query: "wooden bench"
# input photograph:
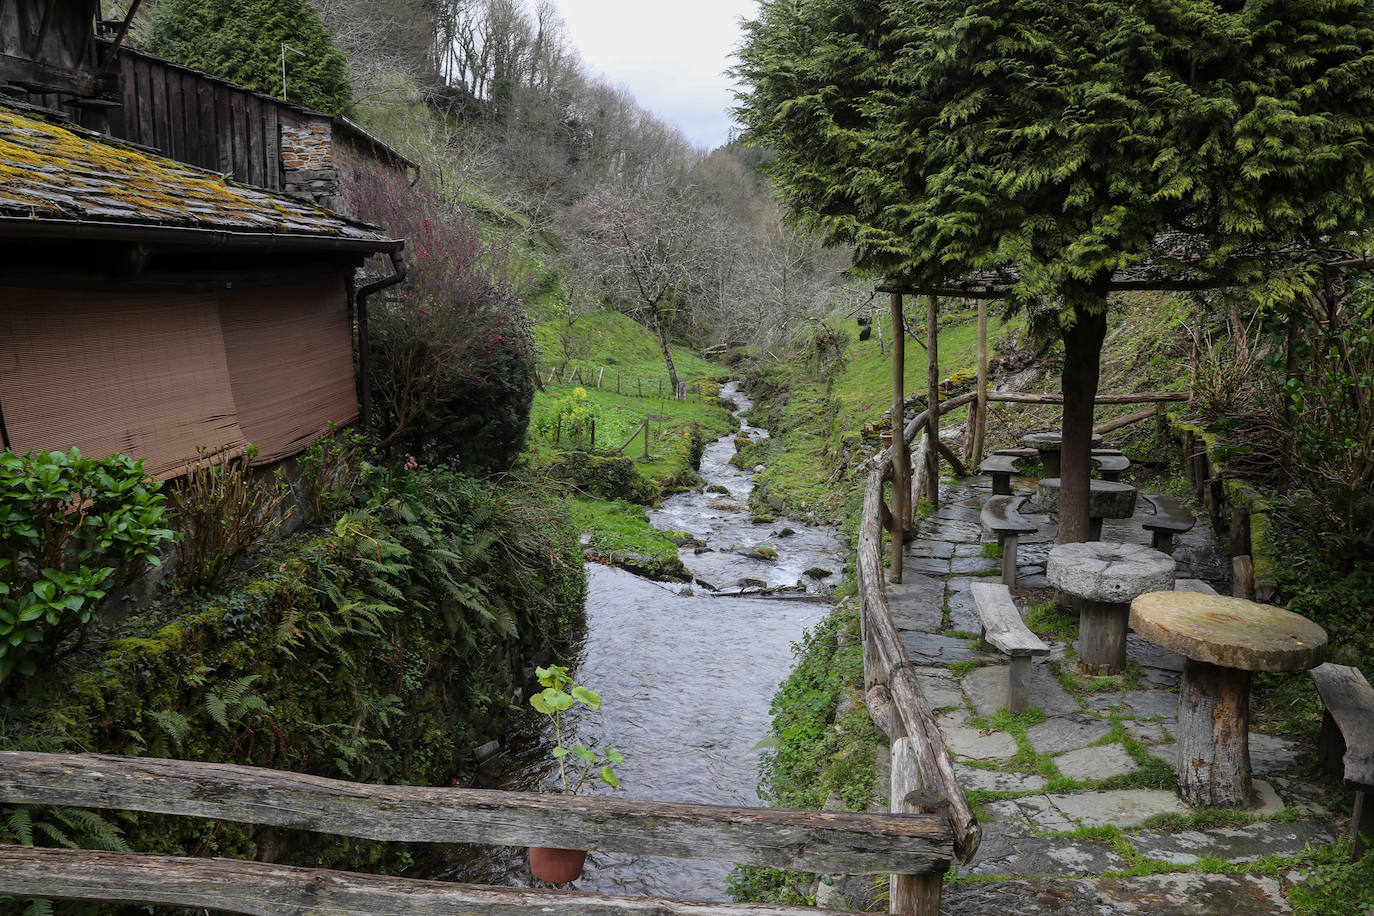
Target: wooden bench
(1018, 452)
(1000, 516)
(1111, 467)
(999, 468)
(1347, 742)
(1171, 517)
(1004, 630)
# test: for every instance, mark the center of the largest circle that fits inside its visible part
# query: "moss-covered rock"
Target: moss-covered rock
(608, 478)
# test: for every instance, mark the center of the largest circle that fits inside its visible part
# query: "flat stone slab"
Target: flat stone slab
(1155, 895)
(926, 566)
(1067, 733)
(924, 548)
(1234, 844)
(987, 688)
(1117, 807)
(965, 565)
(1037, 857)
(952, 531)
(1028, 815)
(963, 740)
(941, 692)
(1109, 572)
(1270, 755)
(963, 610)
(1148, 732)
(1142, 704)
(917, 602)
(1099, 762)
(985, 780)
(1152, 656)
(930, 649)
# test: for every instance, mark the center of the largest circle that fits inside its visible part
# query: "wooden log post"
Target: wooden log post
(1242, 563)
(1213, 735)
(1101, 636)
(911, 895)
(980, 411)
(901, 456)
(1159, 421)
(933, 398)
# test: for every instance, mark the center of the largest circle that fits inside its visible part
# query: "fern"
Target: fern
(20, 824)
(173, 724)
(236, 701)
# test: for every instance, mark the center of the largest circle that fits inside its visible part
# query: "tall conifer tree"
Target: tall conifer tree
(241, 41)
(1065, 140)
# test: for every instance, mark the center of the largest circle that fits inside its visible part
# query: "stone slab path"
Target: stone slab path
(1076, 798)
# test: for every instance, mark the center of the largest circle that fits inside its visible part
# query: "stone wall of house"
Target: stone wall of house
(309, 170)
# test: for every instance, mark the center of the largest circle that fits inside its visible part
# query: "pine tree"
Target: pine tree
(1065, 139)
(241, 41)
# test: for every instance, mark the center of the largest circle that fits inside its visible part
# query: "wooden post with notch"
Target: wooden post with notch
(979, 426)
(901, 455)
(910, 895)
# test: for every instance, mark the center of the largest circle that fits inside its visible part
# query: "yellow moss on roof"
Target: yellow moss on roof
(49, 171)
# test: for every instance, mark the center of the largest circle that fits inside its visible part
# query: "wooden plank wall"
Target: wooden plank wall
(200, 121)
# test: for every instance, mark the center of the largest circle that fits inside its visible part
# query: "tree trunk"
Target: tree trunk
(933, 397)
(1214, 735)
(1082, 352)
(662, 336)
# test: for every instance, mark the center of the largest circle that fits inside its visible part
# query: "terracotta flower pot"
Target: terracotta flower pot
(556, 866)
(887, 438)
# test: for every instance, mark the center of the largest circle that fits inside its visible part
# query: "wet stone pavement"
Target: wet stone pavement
(1060, 843)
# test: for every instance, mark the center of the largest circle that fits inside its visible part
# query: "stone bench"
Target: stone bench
(1000, 468)
(1106, 499)
(1347, 742)
(1171, 517)
(1102, 579)
(1000, 516)
(1004, 630)
(1018, 452)
(1111, 467)
(1048, 445)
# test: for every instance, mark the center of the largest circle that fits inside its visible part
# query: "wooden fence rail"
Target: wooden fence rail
(262, 889)
(813, 841)
(922, 772)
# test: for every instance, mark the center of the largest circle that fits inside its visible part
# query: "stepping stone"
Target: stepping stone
(1118, 807)
(1268, 801)
(940, 692)
(1270, 755)
(1302, 795)
(958, 532)
(924, 548)
(987, 688)
(963, 740)
(916, 602)
(1035, 857)
(928, 566)
(963, 611)
(1234, 844)
(1155, 895)
(1152, 656)
(1067, 733)
(1142, 704)
(966, 565)
(1148, 732)
(980, 779)
(1096, 762)
(969, 550)
(1034, 581)
(930, 649)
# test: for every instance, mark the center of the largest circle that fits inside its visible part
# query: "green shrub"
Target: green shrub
(72, 530)
(609, 478)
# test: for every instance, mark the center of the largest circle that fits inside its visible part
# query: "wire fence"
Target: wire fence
(659, 387)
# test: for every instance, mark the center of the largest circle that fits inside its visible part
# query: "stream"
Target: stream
(685, 679)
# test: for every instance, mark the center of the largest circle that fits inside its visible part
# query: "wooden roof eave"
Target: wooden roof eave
(191, 237)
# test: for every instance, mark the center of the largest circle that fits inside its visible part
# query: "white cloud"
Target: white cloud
(671, 56)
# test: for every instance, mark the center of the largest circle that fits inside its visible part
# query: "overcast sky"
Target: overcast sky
(670, 54)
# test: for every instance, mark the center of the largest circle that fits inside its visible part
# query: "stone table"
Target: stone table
(1223, 640)
(1106, 499)
(1049, 446)
(1101, 579)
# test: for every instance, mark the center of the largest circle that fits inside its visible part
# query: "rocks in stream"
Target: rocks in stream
(762, 552)
(817, 572)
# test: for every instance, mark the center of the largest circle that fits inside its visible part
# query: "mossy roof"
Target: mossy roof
(61, 173)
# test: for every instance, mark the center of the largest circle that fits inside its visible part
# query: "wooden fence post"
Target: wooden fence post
(911, 895)
(979, 426)
(901, 457)
(646, 437)
(933, 398)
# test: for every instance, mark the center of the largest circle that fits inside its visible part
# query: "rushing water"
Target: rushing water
(685, 680)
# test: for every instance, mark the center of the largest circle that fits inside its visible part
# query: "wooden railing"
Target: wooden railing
(922, 775)
(815, 841)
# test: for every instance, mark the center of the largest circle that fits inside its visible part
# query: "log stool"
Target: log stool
(1106, 499)
(1100, 580)
(1223, 640)
(1049, 446)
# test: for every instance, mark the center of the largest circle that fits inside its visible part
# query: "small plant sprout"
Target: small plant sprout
(558, 696)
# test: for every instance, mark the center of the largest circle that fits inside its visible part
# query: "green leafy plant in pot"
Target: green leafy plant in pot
(576, 764)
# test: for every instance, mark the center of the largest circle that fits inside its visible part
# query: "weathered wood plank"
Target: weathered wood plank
(816, 841)
(1110, 426)
(910, 895)
(1350, 701)
(263, 889)
(1002, 623)
(256, 172)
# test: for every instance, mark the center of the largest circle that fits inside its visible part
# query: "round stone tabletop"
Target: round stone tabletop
(1106, 498)
(1050, 442)
(1109, 572)
(1230, 632)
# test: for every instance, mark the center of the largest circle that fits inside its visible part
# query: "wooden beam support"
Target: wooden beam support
(910, 895)
(264, 889)
(814, 841)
